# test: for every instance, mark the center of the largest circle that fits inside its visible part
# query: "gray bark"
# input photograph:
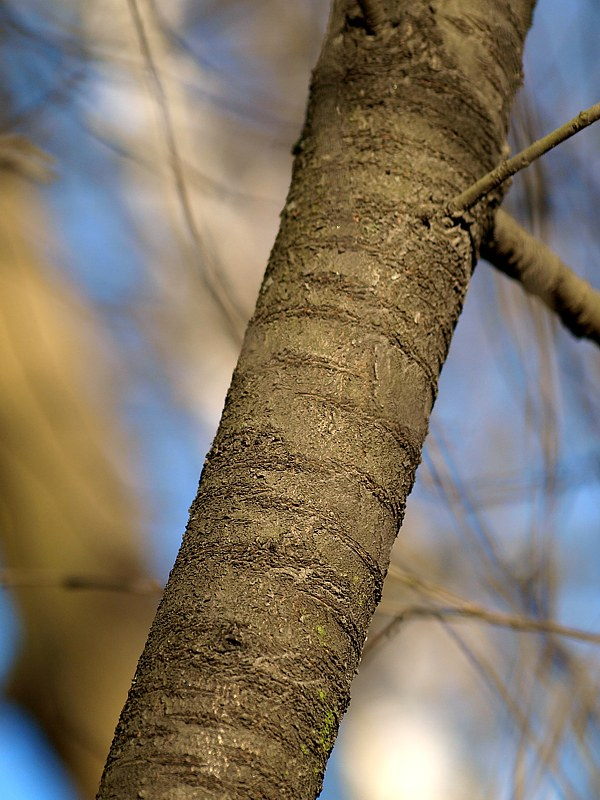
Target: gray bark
(248, 666)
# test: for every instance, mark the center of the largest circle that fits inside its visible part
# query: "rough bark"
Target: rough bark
(247, 669)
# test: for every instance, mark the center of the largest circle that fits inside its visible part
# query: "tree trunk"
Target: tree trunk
(248, 666)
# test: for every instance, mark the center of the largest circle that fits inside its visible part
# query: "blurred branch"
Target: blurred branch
(65, 499)
(473, 611)
(508, 694)
(60, 93)
(46, 42)
(457, 608)
(20, 155)
(511, 166)
(485, 668)
(41, 579)
(541, 272)
(213, 281)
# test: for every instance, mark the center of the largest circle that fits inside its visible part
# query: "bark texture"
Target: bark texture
(247, 669)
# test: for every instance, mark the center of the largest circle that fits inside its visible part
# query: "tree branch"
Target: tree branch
(213, 278)
(449, 605)
(472, 611)
(373, 13)
(519, 255)
(38, 579)
(18, 154)
(247, 669)
(493, 179)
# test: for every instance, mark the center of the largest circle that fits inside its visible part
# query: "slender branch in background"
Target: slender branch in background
(213, 280)
(513, 701)
(493, 179)
(471, 611)
(374, 14)
(457, 608)
(20, 155)
(43, 579)
(522, 257)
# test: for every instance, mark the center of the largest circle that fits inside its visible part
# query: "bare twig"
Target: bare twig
(519, 255)
(18, 154)
(374, 14)
(496, 618)
(456, 608)
(213, 280)
(505, 691)
(493, 179)
(44, 579)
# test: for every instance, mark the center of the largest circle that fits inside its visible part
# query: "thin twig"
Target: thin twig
(540, 271)
(509, 697)
(493, 179)
(215, 282)
(374, 14)
(496, 618)
(456, 608)
(44, 579)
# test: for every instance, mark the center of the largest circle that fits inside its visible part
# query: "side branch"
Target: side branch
(373, 13)
(18, 154)
(446, 606)
(506, 169)
(45, 579)
(473, 612)
(541, 272)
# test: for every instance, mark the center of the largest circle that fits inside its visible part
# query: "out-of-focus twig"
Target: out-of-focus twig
(43, 579)
(213, 280)
(19, 154)
(457, 608)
